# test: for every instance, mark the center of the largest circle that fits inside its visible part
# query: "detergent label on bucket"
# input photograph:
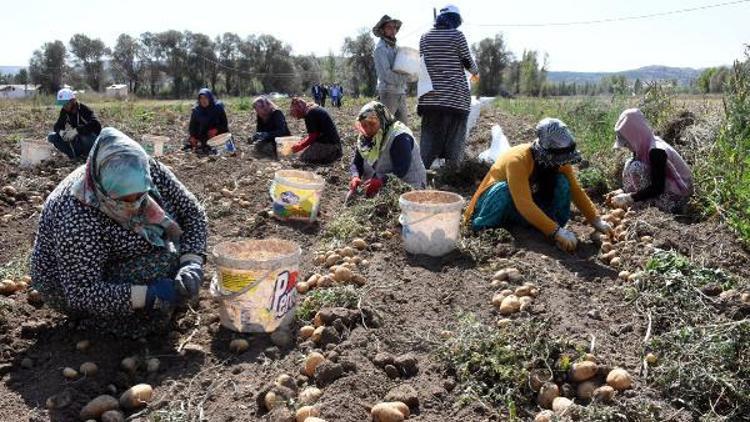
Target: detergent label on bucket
(284, 293)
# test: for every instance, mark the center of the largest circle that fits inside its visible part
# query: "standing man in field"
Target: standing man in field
(77, 140)
(391, 85)
(445, 108)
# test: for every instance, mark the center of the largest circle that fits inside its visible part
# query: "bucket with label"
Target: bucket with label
(256, 284)
(154, 144)
(296, 195)
(34, 152)
(430, 221)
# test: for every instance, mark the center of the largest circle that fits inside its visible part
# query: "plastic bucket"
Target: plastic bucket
(430, 221)
(255, 284)
(224, 143)
(34, 152)
(296, 195)
(407, 61)
(154, 144)
(284, 145)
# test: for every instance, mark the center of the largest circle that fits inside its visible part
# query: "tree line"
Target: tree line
(175, 64)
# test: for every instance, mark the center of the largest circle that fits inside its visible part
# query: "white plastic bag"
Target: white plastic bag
(499, 145)
(407, 61)
(474, 111)
(424, 85)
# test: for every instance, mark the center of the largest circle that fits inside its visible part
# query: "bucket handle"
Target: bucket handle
(421, 220)
(226, 296)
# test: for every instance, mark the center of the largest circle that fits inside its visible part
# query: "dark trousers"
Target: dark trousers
(78, 148)
(443, 136)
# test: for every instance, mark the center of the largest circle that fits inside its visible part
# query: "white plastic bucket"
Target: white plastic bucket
(284, 145)
(154, 144)
(256, 284)
(296, 195)
(34, 152)
(430, 221)
(407, 61)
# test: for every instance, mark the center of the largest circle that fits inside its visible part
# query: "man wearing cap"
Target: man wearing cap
(391, 85)
(76, 128)
(533, 184)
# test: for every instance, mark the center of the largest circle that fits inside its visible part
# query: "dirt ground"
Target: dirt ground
(414, 298)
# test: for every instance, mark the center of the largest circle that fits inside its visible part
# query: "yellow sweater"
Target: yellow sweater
(515, 167)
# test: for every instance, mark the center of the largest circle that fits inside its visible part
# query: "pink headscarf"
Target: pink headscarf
(264, 107)
(634, 133)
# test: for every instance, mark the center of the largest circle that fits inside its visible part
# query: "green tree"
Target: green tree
(492, 58)
(309, 71)
(358, 52)
(90, 54)
(126, 60)
(531, 75)
(229, 53)
(47, 66)
(330, 67)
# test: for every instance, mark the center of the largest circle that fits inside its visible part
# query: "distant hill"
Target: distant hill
(683, 75)
(10, 69)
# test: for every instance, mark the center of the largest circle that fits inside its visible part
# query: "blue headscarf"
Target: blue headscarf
(118, 166)
(449, 18)
(208, 94)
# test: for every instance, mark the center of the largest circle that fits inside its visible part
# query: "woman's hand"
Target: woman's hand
(566, 240)
(188, 279)
(623, 200)
(603, 227)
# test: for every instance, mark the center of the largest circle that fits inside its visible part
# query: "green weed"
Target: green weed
(337, 296)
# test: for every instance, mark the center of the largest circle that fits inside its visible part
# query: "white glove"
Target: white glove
(623, 200)
(566, 240)
(602, 226)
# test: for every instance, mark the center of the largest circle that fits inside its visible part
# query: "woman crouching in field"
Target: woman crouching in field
(271, 124)
(656, 174)
(533, 183)
(384, 147)
(120, 241)
(322, 145)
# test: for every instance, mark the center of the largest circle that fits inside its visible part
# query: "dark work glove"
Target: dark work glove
(161, 296)
(188, 280)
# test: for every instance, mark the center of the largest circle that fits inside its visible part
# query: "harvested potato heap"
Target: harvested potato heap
(621, 221)
(510, 301)
(342, 265)
(586, 381)
(393, 411)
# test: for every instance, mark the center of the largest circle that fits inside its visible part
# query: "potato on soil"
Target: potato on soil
(96, 407)
(581, 371)
(604, 394)
(394, 411)
(510, 305)
(83, 345)
(544, 416)
(136, 396)
(619, 379)
(70, 373)
(585, 390)
(561, 404)
(271, 400)
(537, 378)
(310, 395)
(152, 365)
(88, 369)
(359, 244)
(129, 364)
(547, 394)
(305, 412)
(238, 345)
(306, 331)
(311, 363)
(303, 287)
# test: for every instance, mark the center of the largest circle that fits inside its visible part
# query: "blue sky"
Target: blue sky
(699, 39)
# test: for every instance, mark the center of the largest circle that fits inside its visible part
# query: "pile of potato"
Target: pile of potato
(610, 254)
(342, 265)
(285, 390)
(509, 301)
(586, 381)
(9, 287)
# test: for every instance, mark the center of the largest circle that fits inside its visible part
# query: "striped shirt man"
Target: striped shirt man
(446, 54)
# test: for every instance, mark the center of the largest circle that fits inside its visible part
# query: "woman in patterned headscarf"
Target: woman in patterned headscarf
(533, 183)
(271, 124)
(120, 241)
(384, 146)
